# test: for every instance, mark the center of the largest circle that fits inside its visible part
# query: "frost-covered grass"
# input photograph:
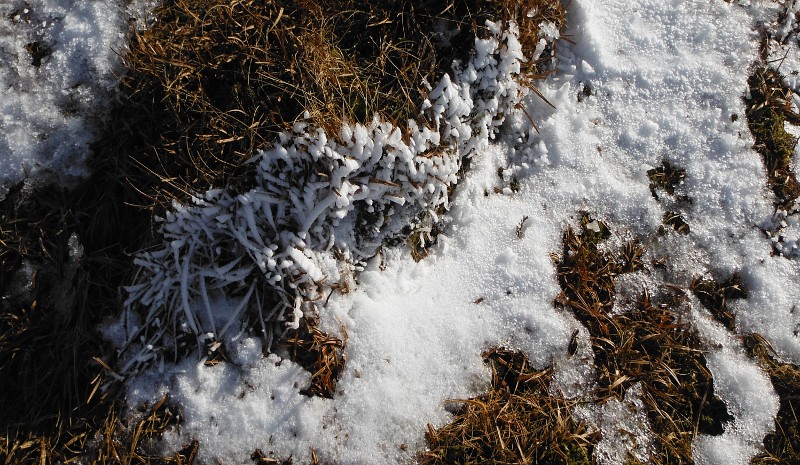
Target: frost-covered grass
(612, 279)
(85, 232)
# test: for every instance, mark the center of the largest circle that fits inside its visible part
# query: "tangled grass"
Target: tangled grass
(517, 422)
(222, 78)
(649, 345)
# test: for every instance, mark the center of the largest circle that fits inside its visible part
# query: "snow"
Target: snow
(638, 82)
(664, 83)
(51, 111)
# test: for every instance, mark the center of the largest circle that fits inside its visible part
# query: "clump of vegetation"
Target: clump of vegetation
(649, 345)
(113, 443)
(769, 107)
(517, 421)
(322, 355)
(207, 84)
(665, 177)
(715, 297)
(259, 458)
(676, 221)
(63, 256)
(221, 79)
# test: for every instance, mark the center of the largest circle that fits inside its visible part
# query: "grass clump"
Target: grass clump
(649, 346)
(322, 355)
(136, 443)
(769, 107)
(113, 442)
(715, 297)
(783, 445)
(518, 421)
(665, 177)
(220, 79)
(676, 222)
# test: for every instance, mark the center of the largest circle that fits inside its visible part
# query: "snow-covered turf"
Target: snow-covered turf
(638, 82)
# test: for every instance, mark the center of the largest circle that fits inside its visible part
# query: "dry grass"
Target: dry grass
(715, 297)
(209, 83)
(113, 442)
(322, 355)
(517, 422)
(768, 109)
(259, 458)
(675, 221)
(48, 338)
(649, 345)
(219, 79)
(665, 177)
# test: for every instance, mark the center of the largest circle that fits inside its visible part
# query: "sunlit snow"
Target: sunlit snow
(637, 82)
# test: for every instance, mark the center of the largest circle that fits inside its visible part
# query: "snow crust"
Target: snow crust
(645, 81)
(59, 64)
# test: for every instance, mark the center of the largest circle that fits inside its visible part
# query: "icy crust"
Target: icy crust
(59, 67)
(319, 208)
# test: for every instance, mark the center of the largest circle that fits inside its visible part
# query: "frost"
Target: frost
(318, 208)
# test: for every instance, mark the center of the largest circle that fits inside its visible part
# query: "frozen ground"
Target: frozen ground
(637, 83)
(644, 82)
(59, 65)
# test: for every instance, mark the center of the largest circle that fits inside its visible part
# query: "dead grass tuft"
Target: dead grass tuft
(676, 222)
(665, 177)
(649, 346)
(517, 422)
(112, 442)
(322, 355)
(120, 444)
(715, 297)
(259, 458)
(768, 109)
